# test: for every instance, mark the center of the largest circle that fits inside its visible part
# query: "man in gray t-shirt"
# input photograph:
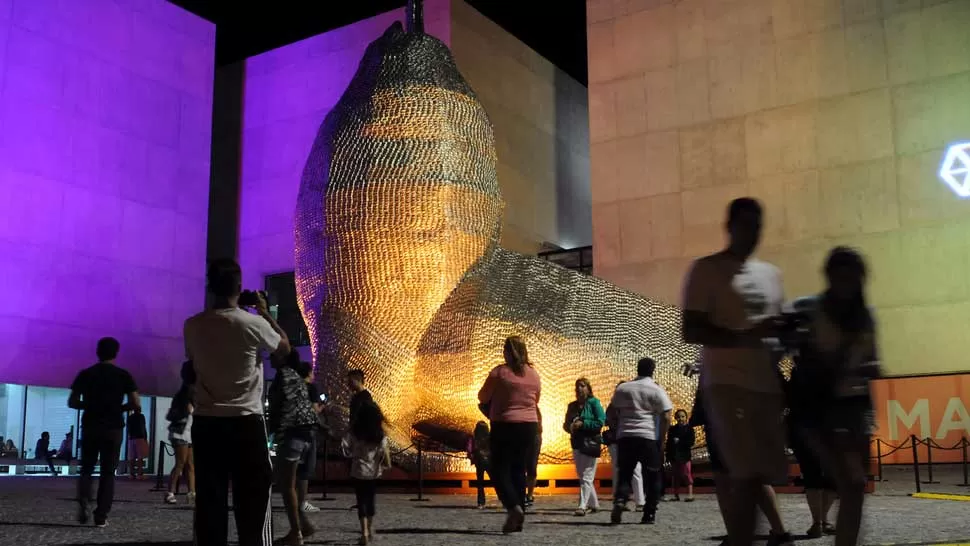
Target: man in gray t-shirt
(231, 445)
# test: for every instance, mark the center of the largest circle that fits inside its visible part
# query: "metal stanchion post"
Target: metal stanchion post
(929, 462)
(420, 497)
(879, 457)
(160, 471)
(915, 443)
(326, 462)
(964, 462)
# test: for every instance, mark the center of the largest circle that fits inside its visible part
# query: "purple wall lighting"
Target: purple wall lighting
(288, 92)
(106, 110)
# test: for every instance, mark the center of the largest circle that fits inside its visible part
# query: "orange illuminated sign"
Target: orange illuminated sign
(934, 407)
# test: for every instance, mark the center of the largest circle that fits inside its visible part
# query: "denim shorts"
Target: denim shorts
(299, 447)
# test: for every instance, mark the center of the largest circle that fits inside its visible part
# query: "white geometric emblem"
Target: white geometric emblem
(955, 170)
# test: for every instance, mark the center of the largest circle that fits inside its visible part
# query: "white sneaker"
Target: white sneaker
(307, 507)
(190, 498)
(170, 498)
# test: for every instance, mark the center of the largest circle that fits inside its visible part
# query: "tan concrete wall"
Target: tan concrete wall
(541, 130)
(835, 113)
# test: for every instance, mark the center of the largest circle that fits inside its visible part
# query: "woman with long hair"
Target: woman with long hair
(511, 395)
(584, 420)
(532, 462)
(180, 434)
(369, 451)
(836, 359)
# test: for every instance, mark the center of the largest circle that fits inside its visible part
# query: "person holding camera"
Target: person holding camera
(731, 306)
(228, 430)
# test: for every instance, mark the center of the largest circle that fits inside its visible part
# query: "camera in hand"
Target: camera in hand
(691, 369)
(793, 322)
(250, 298)
(794, 328)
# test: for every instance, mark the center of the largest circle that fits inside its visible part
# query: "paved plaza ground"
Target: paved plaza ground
(40, 511)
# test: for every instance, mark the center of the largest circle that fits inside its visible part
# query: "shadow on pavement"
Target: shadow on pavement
(451, 507)
(121, 501)
(420, 531)
(282, 509)
(575, 523)
(133, 543)
(50, 525)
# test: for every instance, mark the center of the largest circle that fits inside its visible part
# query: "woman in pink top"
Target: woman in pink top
(511, 395)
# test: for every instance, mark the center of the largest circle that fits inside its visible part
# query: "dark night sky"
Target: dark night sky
(556, 29)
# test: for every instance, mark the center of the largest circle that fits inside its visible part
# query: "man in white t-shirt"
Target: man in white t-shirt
(637, 409)
(731, 305)
(224, 344)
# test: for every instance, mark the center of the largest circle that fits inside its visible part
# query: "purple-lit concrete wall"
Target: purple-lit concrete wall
(287, 93)
(104, 168)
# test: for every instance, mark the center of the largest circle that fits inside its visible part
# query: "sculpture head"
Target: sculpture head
(399, 198)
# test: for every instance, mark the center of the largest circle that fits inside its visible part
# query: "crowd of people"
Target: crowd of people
(733, 308)
(219, 410)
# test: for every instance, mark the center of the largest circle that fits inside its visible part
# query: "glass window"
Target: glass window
(47, 411)
(12, 415)
(147, 408)
(281, 289)
(162, 405)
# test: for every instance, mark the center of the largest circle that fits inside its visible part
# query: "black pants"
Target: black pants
(366, 491)
(104, 445)
(232, 449)
(480, 469)
(511, 445)
(49, 457)
(647, 453)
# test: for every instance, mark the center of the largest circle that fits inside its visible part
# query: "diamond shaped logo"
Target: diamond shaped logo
(955, 170)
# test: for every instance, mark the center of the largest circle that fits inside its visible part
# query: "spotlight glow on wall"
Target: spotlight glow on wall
(955, 170)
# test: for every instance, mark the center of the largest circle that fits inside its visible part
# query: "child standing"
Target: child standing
(367, 447)
(479, 455)
(680, 441)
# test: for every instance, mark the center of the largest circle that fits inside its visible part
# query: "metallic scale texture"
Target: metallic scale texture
(399, 271)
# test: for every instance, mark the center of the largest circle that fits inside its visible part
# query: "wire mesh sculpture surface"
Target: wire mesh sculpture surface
(399, 270)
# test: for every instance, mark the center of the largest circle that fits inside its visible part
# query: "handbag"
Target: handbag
(591, 445)
(590, 442)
